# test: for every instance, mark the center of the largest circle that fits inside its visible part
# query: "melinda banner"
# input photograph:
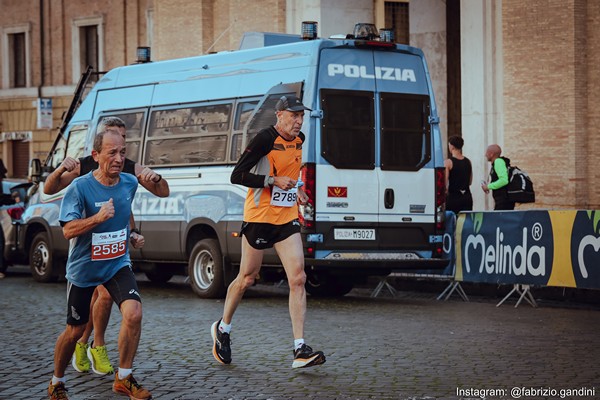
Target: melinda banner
(534, 247)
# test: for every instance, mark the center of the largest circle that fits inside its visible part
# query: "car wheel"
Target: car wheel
(40, 259)
(205, 269)
(159, 275)
(325, 285)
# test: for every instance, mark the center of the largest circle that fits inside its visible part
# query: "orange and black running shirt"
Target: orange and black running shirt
(268, 154)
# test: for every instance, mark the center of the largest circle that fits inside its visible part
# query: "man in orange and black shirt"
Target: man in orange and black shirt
(269, 167)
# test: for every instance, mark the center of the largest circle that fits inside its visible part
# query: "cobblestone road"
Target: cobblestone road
(410, 347)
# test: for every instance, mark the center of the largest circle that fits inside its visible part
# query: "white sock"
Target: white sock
(55, 380)
(124, 372)
(224, 328)
(298, 343)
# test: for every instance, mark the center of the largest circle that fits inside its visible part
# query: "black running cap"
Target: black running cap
(290, 103)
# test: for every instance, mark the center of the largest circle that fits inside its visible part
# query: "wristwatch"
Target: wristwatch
(271, 181)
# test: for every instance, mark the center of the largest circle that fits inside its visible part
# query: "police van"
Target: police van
(372, 159)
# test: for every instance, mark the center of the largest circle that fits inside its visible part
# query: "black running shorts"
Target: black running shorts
(122, 286)
(263, 236)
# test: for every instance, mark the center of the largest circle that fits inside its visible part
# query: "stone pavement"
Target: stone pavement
(410, 347)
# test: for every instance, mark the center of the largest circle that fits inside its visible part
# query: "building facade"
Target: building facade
(45, 46)
(520, 74)
(530, 83)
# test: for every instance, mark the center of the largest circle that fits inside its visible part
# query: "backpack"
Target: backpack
(520, 186)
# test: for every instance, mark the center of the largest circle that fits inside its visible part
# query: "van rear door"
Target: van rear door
(374, 192)
(406, 177)
(348, 195)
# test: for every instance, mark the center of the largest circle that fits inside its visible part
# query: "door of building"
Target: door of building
(20, 159)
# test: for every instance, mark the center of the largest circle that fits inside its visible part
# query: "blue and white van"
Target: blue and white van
(373, 161)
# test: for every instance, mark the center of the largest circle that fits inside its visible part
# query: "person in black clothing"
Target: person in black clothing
(3, 172)
(498, 178)
(3, 265)
(459, 176)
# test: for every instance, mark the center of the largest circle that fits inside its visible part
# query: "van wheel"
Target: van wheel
(325, 285)
(205, 269)
(159, 275)
(40, 259)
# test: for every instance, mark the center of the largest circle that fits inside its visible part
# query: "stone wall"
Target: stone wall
(592, 58)
(549, 67)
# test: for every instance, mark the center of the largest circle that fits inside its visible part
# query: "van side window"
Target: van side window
(76, 141)
(242, 116)
(348, 129)
(69, 145)
(265, 115)
(189, 135)
(405, 135)
(254, 115)
(262, 117)
(134, 124)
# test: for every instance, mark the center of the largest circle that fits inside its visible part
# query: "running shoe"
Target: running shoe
(80, 361)
(221, 344)
(304, 357)
(131, 388)
(99, 357)
(58, 391)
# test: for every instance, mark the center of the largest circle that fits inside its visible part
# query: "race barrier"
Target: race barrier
(445, 274)
(529, 248)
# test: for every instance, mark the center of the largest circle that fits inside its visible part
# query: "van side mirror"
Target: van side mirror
(35, 170)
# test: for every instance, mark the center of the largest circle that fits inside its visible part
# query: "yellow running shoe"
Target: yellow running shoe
(131, 388)
(80, 361)
(100, 363)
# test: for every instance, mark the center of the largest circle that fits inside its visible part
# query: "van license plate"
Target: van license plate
(354, 234)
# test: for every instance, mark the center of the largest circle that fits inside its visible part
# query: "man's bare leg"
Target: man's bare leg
(292, 257)
(90, 324)
(249, 269)
(101, 314)
(97, 352)
(131, 329)
(64, 348)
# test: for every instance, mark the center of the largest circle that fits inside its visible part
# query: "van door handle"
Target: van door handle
(388, 198)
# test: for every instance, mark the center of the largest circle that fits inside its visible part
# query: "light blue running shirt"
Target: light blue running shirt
(97, 255)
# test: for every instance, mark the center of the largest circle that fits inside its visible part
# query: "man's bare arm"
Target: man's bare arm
(131, 221)
(151, 181)
(62, 176)
(78, 227)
